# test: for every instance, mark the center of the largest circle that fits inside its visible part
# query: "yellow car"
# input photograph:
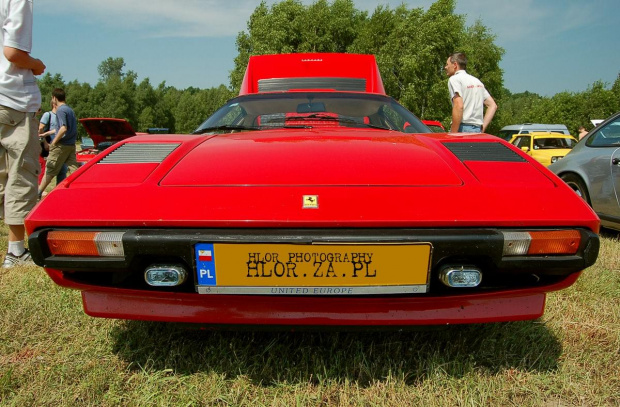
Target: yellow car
(544, 147)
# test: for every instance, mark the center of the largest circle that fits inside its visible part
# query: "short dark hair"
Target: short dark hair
(59, 94)
(460, 58)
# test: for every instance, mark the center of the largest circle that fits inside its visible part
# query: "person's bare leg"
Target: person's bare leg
(16, 233)
(44, 183)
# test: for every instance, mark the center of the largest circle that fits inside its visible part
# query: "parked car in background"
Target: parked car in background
(103, 133)
(86, 143)
(314, 199)
(546, 148)
(592, 170)
(435, 126)
(508, 132)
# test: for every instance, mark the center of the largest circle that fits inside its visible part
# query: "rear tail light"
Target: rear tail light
(90, 244)
(541, 242)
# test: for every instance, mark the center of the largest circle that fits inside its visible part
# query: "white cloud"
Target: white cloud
(178, 18)
(510, 20)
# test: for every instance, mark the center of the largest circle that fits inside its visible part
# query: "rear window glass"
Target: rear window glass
(507, 134)
(552, 143)
(606, 136)
(312, 109)
(522, 141)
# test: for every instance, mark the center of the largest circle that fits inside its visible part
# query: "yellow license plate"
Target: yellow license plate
(317, 269)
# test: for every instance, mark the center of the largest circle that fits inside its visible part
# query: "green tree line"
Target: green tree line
(411, 46)
(118, 94)
(573, 109)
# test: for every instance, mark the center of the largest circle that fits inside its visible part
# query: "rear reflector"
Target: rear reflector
(541, 242)
(90, 244)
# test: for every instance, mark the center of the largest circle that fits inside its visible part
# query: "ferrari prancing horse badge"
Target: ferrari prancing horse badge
(311, 202)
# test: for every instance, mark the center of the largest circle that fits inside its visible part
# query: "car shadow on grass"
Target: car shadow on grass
(610, 233)
(268, 358)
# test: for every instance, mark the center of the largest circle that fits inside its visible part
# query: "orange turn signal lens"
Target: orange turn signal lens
(555, 242)
(541, 242)
(90, 244)
(72, 243)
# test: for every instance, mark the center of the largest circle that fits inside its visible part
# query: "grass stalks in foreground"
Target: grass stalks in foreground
(52, 354)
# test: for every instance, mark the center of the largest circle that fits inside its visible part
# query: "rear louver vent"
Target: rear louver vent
(286, 84)
(483, 152)
(132, 153)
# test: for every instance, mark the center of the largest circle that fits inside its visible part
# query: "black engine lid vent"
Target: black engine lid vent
(485, 151)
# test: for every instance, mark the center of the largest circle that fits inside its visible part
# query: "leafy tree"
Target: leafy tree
(47, 83)
(484, 57)
(483, 61)
(289, 26)
(115, 98)
(568, 108)
(615, 90)
(515, 108)
(411, 45)
(596, 102)
(195, 107)
(150, 106)
(414, 54)
(79, 98)
(111, 67)
(412, 73)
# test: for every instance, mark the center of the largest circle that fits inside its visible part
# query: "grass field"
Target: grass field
(52, 354)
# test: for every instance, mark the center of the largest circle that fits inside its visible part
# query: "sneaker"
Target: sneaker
(11, 260)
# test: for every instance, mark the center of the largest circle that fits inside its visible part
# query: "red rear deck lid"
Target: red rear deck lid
(325, 72)
(102, 129)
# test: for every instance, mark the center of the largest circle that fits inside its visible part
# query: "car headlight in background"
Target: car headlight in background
(556, 158)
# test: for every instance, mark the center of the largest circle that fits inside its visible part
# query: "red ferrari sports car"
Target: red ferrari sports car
(313, 199)
(434, 125)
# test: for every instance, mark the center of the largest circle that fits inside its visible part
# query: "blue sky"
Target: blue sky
(551, 45)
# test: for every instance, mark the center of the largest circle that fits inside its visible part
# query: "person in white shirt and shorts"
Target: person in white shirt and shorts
(20, 99)
(468, 96)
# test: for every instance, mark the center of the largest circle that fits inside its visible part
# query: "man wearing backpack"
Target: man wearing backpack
(62, 147)
(48, 128)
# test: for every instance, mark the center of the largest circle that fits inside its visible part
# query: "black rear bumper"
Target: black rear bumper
(479, 247)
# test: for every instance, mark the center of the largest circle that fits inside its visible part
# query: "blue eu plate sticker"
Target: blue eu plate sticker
(205, 264)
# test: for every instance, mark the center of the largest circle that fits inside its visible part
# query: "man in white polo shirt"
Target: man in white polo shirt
(20, 99)
(468, 97)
